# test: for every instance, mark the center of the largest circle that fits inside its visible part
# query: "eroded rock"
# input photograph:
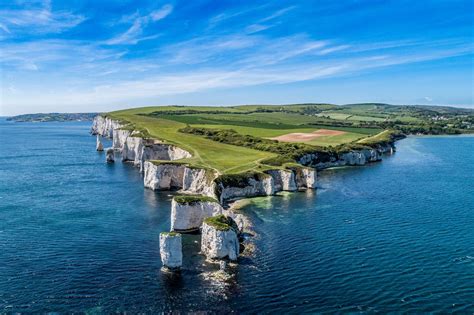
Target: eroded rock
(219, 238)
(171, 250)
(110, 155)
(99, 146)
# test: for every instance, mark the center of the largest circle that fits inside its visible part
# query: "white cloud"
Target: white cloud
(161, 13)
(132, 35)
(277, 14)
(4, 28)
(255, 28)
(38, 19)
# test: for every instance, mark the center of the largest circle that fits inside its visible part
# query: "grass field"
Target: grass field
(356, 124)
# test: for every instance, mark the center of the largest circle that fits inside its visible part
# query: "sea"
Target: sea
(80, 235)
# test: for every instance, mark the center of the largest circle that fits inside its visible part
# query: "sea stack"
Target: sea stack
(219, 238)
(171, 250)
(99, 145)
(110, 157)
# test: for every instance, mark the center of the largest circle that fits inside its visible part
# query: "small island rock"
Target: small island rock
(171, 250)
(110, 155)
(219, 238)
(99, 145)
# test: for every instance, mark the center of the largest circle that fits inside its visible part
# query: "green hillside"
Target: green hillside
(243, 138)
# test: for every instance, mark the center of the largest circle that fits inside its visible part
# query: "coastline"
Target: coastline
(160, 165)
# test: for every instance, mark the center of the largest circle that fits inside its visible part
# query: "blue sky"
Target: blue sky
(74, 55)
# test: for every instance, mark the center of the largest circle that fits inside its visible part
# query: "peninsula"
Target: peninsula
(215, 155)
(49, 117)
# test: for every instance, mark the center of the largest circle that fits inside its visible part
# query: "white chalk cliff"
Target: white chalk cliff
(135, 149)
(163, 176)
(216, 242)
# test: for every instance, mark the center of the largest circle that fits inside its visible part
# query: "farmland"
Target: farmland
(241, 138)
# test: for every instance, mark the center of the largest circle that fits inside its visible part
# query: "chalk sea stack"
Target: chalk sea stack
(99, 145)
(220, 238)
(171, 250)
(110, 155)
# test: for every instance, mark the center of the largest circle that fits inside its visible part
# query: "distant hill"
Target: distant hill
(48, 117)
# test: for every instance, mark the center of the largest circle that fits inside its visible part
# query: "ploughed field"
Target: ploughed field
(225, 138)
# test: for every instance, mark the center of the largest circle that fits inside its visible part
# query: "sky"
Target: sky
(95, 56)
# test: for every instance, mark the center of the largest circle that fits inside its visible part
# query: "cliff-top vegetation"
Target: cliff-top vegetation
(239, 139)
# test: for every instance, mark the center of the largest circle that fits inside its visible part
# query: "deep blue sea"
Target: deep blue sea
(79, 235)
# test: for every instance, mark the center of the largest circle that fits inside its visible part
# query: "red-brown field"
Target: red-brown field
(305, 137)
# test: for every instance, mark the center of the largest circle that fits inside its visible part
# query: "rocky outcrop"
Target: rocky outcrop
(163, 176)
(219, 238)
(99, 146)
(189, 212)
(110, 155)
(171, 250)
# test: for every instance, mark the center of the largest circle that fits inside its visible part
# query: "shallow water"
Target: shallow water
(77, 234)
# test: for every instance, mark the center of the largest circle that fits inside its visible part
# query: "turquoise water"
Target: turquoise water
(77, 234)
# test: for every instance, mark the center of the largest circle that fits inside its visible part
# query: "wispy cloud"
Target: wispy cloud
(39, 18)
(229, 50)
(133, 35)
(262, 24)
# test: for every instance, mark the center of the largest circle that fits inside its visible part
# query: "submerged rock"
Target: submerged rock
(188, 212)
(110, 155)
(99, 146)
(171, 250)
(219, 238)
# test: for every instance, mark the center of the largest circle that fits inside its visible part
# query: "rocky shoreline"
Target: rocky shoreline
(205, 195)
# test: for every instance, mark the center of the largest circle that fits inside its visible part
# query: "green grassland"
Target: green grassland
(240, 138)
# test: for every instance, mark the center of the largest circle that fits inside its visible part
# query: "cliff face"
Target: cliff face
(199, 181)
(190, 180)
(253, 187)
(273, 182)
(188, 217)
(135, 149)
(104, 126)
(352, 158)
(163, 176)
(283, 180)
(305, 177)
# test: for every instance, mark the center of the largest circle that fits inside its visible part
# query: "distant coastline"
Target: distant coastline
(51, 117)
